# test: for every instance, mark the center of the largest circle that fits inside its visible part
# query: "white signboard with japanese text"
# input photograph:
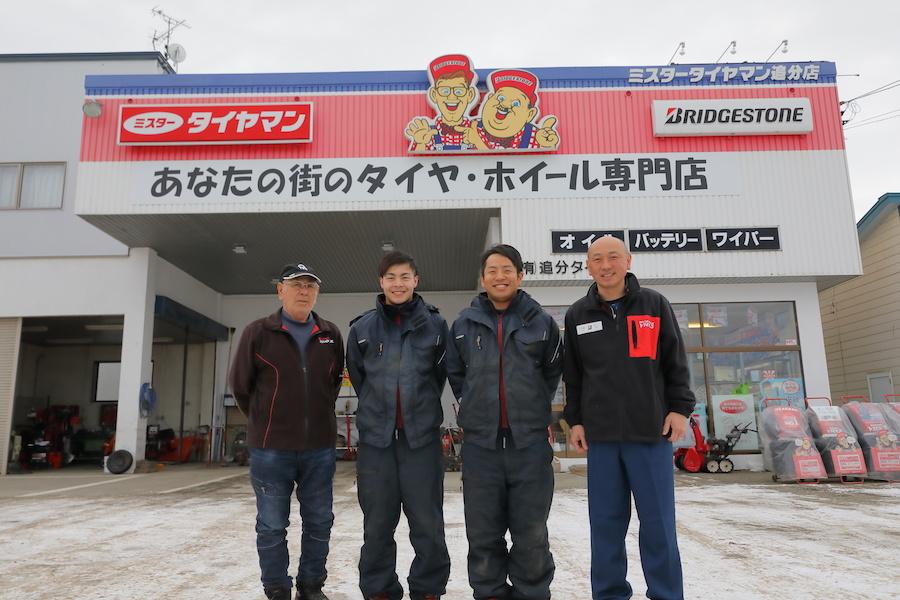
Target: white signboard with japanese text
(186, 183)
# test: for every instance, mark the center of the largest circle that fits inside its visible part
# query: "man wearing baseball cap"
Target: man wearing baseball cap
(508, 113)
(452, 94)
(285, 377)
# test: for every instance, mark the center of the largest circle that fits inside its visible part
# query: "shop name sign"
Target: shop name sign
(396, 178)
(208, 124)
(749, 116)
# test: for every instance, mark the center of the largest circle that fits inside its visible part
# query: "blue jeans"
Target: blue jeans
(274, 473)
(616, 471)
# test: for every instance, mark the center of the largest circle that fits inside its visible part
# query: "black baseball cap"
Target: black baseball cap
(295, 271)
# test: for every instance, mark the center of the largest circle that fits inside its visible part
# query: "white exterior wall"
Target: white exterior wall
(805, 194)
(46, 127)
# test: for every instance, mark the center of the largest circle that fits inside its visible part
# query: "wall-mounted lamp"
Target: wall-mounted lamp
(679, 50)
(91, 108)
(387, 246)
(732, 46)
(783, 46)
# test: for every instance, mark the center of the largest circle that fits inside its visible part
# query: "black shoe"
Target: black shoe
(310, 591)
(278, 593)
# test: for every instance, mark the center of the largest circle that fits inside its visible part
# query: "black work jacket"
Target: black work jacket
(385, 359)
(531, 362)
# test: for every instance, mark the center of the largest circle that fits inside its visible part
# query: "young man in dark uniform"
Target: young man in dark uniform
(397, 363)
(505, 361)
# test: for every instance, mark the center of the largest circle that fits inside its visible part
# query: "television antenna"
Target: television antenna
(173, 52)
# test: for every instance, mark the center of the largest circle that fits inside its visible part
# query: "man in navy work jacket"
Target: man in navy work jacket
(397, 362)
(505, 361)
(628, 397)
(285, 377)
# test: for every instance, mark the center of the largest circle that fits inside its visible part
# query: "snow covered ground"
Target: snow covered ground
(740, 537)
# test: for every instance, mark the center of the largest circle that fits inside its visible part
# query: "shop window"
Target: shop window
(741, 384)
(688, 318)
(31, 185)
(9, 185)
(740, 324)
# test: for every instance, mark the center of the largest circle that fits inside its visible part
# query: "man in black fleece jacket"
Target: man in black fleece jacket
(628, 397)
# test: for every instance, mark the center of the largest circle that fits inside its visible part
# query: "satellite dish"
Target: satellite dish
(176, 53)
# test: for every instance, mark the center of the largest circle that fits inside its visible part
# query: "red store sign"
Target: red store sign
(187, 124)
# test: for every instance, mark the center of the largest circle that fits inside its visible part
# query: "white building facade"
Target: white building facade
(729, 184)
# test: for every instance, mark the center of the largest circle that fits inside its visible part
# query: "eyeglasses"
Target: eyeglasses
(459, 92)
(302, 285)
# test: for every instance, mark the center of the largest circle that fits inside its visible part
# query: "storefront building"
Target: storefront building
(728, 183)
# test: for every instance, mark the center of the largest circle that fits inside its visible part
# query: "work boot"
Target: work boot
(278, 593)
(310, 591)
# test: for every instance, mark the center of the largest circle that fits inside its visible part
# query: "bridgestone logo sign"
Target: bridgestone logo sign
(753, 116)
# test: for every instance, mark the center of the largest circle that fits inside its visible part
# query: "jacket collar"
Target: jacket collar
(416, 313)
(632, 287)
(482, 309)
(273, 323)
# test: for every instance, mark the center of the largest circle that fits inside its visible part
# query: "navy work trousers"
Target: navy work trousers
(616, 470)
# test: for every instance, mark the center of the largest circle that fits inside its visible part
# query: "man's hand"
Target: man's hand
(546, 136)
(674, 426)
(420, 131)
(578, 439)
(471, 135)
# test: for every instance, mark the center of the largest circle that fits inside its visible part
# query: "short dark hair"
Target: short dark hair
(395, 257)
(503, 250)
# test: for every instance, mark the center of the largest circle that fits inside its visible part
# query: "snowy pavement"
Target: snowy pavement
(741, 538)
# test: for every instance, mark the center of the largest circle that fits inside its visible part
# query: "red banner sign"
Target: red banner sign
(186, 124)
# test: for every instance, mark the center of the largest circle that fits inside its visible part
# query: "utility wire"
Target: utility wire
(877, 116)
(871, 122)
(878, 90)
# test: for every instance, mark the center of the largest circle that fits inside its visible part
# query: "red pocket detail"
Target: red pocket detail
(643, 336)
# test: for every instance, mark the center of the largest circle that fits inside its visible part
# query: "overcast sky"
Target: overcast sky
(335, 35)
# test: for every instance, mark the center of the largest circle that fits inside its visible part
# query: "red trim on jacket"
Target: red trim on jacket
(274, 395)
(504, 417)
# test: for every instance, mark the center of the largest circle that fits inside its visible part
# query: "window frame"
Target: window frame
(20, 176)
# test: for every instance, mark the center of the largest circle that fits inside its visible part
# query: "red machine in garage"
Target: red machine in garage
(709, 455)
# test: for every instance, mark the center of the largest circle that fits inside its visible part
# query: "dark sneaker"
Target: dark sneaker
(278, 593)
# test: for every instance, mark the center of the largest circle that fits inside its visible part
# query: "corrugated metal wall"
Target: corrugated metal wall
(805, 194)
(10, 332)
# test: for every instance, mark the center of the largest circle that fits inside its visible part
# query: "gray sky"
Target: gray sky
(354, 35)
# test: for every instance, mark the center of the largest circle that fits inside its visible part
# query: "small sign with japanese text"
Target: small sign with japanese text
(207, 124)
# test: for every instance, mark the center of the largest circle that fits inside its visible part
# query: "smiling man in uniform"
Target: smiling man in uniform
(628, 397)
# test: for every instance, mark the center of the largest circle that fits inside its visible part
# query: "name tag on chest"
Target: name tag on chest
(589, 327)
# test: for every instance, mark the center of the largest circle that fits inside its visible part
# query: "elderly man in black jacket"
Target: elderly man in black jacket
(397, 362)
(285, 377)
(505, 361)
(628, 397)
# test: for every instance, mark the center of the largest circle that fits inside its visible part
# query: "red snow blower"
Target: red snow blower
(709, 455)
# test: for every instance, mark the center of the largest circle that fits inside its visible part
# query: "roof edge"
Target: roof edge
(874, 214)
(90, 56)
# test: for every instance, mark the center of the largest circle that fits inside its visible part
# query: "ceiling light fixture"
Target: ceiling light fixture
(239, 248)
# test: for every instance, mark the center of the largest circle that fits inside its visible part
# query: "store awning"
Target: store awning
(342, 247)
